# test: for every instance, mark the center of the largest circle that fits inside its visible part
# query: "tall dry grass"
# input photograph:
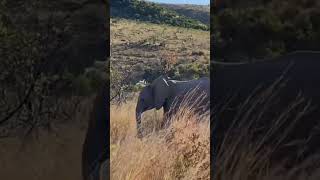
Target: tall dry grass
(245, 154)
(180, 151)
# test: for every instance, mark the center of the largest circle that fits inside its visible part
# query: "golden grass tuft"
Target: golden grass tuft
(180, 151)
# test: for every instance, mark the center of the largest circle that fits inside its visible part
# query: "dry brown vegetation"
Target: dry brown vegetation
(138, 46)
(180, 151)
(247, 155)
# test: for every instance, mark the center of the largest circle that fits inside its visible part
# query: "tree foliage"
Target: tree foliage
(37, 89)
(259, 29)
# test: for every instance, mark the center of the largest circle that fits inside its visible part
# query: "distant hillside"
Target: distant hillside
(198, 12)
(154, 13)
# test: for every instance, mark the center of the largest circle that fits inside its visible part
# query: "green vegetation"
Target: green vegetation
(259, 29)
(44, 54)
(198, 12)
(154, 13)
(191, 71)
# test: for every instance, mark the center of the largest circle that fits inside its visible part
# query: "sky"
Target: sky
(200, 2)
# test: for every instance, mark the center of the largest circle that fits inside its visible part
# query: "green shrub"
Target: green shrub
(265, 29)
(82, 85)
(191, 71)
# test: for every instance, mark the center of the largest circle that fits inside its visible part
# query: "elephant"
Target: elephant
(293, 74)
(96, 144)
(169, 94)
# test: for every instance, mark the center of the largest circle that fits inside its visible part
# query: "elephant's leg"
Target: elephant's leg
(167, 118)
(104, 170)
(165, 112)
(95, 174)
(170, 109)
(164, 121)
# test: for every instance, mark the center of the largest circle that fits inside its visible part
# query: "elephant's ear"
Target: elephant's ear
(160, 89)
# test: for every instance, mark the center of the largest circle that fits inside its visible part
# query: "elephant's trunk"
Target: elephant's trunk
(138, 120)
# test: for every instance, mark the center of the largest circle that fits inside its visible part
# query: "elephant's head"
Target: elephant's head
(151, 96)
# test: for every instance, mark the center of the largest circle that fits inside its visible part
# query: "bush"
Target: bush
(82, 85)
(265, 29)
(191, 71)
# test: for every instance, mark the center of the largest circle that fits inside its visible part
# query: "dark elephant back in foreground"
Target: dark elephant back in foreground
(96, 144)
(300, 73)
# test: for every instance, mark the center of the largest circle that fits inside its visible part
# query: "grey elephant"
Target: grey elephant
(169, 94)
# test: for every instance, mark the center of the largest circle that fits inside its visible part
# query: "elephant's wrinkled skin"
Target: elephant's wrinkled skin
(166, 93)
(96, 144)
(240, 80)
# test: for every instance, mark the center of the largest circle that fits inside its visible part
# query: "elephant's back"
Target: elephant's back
(301, 70)
(201, 92)
(203, 84)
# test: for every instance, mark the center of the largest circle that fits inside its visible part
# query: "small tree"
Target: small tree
(168, 60)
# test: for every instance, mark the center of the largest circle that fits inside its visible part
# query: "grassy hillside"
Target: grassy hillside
(152, 12)
(198, 12)
(139, 48)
